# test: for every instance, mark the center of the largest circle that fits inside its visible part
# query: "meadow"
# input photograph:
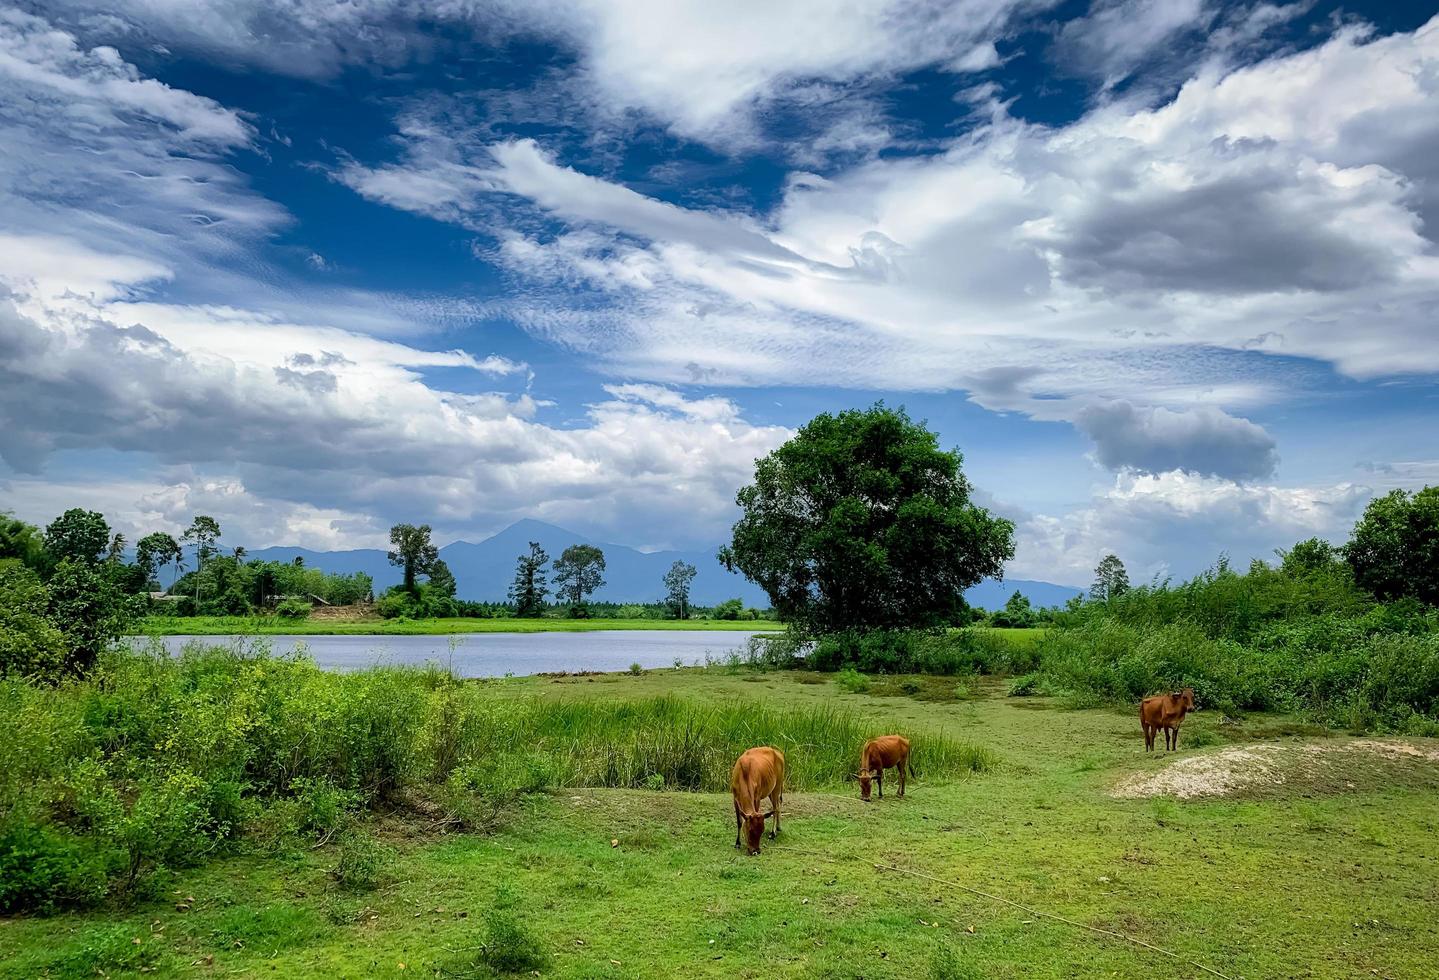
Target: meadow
(439, 626)
(397, 823)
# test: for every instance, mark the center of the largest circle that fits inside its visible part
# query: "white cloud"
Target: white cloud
(1177, 524)
(1145, 254)
(699, 68)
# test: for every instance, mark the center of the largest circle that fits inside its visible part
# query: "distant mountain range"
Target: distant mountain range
(484, 570)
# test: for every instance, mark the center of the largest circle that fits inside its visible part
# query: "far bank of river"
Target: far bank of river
(495, 654)
(276, 626)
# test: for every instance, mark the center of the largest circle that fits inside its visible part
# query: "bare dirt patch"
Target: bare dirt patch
(1294, 769)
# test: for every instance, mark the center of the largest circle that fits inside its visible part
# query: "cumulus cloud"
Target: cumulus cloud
(1177, 524)
(325, 422)
(1156, 440)
(1151, 255)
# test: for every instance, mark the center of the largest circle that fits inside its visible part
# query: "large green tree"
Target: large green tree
(413, 552)
(531, 584)
(677, 588)
(1394, 551)
(31, 645)
(203, 533)
(88, 609)
(579, 571)
(861, 521)
(154, 551)
(77, 534)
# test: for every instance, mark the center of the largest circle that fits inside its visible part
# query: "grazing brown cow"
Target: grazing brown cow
(1165, 711)
(878, 755)
(759, 773)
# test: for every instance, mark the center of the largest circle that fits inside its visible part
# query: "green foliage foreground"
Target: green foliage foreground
(153, 763)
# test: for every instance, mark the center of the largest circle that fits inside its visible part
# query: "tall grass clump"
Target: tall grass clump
(156, 762)
(1266, 640)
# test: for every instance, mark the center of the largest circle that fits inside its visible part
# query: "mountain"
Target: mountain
(991, 595)
(484, 569)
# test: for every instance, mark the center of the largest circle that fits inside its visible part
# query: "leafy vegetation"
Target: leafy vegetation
(1040, 829)
(154, 763)
(862, 522)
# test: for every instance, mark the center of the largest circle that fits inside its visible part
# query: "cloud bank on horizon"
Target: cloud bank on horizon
(1166, 270)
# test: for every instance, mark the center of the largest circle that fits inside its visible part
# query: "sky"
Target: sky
(1164, 271)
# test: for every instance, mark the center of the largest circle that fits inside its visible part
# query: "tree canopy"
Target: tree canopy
(1394, 551)
(579, 571)
(677, 587)
(861, 521)
(1111, 580)
(412, 551)
(77, 534)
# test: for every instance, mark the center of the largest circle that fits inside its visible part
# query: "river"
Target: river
(498, 654)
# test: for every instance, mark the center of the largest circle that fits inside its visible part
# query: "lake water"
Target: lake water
(497, 654)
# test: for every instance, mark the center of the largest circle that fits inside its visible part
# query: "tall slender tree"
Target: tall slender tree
(412, 551)
(677, 588)
(531, 585)
(203, 533)
(1110, 579)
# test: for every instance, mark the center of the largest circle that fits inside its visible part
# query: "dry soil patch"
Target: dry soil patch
(1334, 765)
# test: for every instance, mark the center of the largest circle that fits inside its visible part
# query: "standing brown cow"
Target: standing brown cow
(1165, 711)
(878, 755)
(759, 773)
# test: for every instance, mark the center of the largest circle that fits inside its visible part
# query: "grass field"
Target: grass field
(275, 625)
(1333, 873)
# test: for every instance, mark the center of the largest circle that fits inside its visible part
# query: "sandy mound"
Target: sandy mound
(1330, 766)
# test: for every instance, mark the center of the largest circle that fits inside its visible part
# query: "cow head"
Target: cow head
(1186, 698)
(753, 831)
(865, 777)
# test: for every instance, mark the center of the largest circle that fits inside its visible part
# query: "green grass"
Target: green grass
(596, 882)
(274, 625)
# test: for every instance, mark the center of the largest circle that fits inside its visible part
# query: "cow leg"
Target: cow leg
(879, 781)
(1176, 738)
(903, 762)
(774, 801)
(738, 823)
(1148, 738)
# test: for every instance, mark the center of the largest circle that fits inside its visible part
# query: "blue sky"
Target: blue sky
(1164, 270)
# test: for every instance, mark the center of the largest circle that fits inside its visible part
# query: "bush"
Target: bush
(509, 947)
(31, 645)
(293, 607)
(42, 869)
(851, 681)
(360, 862)
(729, 609)
(155, 762)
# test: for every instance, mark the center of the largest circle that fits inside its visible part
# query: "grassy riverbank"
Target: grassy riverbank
(279, 626)
(1311, 868)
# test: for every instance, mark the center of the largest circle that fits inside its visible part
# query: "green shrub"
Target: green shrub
(293, 607)
(851, 681)
(360, 862)
(42, 869)
(155, 762)
(510, 945)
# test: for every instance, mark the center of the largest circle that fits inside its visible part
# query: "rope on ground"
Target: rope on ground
(1031, 911)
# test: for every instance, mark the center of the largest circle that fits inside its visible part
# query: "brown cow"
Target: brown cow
(878, 755)
(1165, 711)
(759, 773)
